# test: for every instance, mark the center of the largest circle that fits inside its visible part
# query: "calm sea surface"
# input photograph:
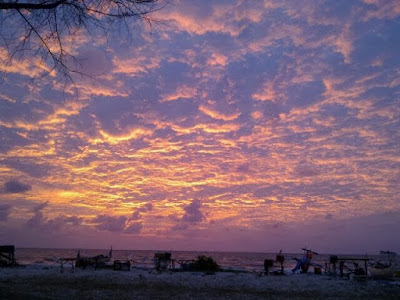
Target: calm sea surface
(144, 258)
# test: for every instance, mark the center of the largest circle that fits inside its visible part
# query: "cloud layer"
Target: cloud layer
(233, 119)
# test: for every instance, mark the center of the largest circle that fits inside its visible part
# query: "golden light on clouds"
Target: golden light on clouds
(182, 92)
(218, 115)
(243, 118)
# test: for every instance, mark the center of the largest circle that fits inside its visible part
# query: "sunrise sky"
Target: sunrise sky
(228, 125)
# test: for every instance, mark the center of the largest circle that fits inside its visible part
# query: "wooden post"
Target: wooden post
(341, 265)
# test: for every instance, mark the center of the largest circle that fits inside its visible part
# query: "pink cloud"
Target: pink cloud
(267, 93)
(383, 9)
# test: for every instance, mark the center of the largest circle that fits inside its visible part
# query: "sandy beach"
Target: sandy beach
(50, 283)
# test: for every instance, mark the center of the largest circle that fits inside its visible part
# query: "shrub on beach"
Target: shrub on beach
(204, 263)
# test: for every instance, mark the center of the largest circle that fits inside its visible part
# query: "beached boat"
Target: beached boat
(380, 270)
(384, 270)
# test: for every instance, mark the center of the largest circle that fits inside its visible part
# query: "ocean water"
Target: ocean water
(246, 261)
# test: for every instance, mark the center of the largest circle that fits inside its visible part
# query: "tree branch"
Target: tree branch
(30, 6)
(46, 28)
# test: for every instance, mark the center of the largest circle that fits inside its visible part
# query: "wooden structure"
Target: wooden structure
(163, 261)
(347, 266)
(67, 261)
(330, 267)
(356, 270)
(186, 264)
(280, 259)
(7, 258)
(275, 266)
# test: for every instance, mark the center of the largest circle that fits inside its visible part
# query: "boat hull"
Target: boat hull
(381, 272)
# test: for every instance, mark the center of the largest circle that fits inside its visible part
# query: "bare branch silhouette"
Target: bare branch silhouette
(41, 28)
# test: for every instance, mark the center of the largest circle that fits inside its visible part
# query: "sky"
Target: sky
(226, 126)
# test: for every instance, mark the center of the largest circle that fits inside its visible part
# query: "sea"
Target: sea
(238, 261)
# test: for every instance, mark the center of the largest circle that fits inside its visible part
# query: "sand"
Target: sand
(50, 283)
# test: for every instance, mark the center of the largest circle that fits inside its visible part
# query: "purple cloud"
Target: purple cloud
(244, 168)
(15, 186)
(32, 169)
(148, 207)
(307, 170)
(193, 213)
(39, 207)
(134, 228)
(58, 224)
(110, 223)
(136, 215)
(39, 222)
(4, 212)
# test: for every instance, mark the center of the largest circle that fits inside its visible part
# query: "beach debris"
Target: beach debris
(275, 267)
(205, 264)
(122, 265)
(7, 258)
(391, 255)
(268, 264)
(186, 265)
(330, 267)
(317, 270)
(304, 263)
(98, 261)
(309, 251)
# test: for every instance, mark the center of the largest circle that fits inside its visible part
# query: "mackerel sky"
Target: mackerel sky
(227, 125)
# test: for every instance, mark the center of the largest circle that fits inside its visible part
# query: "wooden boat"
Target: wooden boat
(381, 271)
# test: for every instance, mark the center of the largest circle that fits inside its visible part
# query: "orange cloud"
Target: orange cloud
(31, 67)
(138, 63)
(50, 121)
(267, 93)
(116, 139)
(181, 92)
(218, 115)
(34, 150)
(257, 114)
(88, 89)
(214, 128)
